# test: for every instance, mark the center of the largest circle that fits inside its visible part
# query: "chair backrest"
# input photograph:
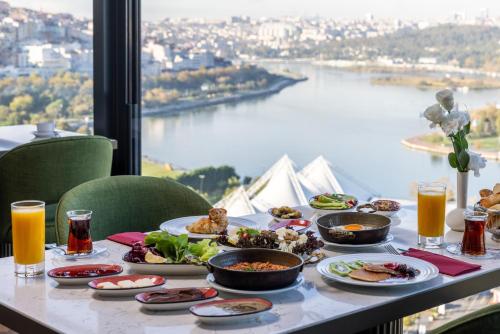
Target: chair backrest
(46, 169)
(128, 203)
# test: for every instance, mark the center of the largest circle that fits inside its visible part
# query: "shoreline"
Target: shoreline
(173, 108)
(415, 143)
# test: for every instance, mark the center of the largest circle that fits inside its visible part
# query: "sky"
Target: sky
(154, 10)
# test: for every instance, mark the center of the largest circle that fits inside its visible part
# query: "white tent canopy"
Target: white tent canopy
(282, 185)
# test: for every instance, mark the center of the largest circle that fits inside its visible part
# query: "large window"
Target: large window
(46, 64)
(229, 90)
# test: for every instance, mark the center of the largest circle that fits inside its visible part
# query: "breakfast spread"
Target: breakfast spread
(215, 223)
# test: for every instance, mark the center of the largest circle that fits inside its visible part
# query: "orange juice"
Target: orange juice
(28, 235)
(431, 211)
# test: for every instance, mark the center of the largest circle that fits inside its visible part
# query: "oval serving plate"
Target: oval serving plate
(175, 299)
(230, 310)
(427, 271)
(177, 226)
(172, 269)
(120, 292)
(82, 274)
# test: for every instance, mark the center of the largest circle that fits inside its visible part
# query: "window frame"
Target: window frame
(117, 79)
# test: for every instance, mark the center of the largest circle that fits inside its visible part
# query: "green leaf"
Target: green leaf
(452, 159)
(152, 238)
(463, 160)
(467, 128)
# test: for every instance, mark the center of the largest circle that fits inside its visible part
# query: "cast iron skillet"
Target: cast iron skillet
(380, 226)
(255, 280)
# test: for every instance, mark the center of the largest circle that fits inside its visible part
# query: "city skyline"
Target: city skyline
(156, 10)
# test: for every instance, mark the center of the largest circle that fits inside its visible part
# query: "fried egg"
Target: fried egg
(353, 227)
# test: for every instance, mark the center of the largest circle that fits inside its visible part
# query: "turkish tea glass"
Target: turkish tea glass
(79, 239)
(473, 242)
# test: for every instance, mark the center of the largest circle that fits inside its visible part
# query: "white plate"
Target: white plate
(217, 286)
(96, 250)
(170, 306)
(122, 292)
(427, 270)
(178, 226)
(167, 269)
(388, 239)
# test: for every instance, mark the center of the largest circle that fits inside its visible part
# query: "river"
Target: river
(357, 126)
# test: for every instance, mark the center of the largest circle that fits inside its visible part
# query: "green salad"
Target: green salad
(333, 201)
(162, 247)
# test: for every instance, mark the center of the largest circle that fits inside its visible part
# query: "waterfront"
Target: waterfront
(355, 125)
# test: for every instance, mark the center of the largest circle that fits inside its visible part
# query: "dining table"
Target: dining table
(319, 305)
(14, 135)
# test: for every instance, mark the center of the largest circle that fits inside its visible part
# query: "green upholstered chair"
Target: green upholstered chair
(46, 169)
(128, 203)
(483, 321)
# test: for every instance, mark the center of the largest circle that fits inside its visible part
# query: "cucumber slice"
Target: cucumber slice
(339, 268)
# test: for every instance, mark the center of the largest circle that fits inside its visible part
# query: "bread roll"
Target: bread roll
(489, 201)
(496, 188)
(485, 192)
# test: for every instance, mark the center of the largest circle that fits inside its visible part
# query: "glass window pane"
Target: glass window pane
(46, 64)
(328, 94)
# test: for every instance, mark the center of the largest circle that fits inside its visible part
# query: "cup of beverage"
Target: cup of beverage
(431, 213)
(79, 239)
(28, 237)
(473, 242)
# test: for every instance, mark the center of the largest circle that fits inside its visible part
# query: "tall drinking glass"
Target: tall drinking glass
(28, 237)
(431, 212)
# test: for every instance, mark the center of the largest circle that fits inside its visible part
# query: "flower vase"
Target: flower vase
(455, 218)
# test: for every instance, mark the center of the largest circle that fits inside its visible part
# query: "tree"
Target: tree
(54, 108)
(21, 103)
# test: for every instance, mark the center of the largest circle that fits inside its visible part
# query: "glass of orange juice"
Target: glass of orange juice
(431, 212)
(28, 237)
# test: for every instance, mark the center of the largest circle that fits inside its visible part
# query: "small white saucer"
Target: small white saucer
(48, 134)
(217, 286)
(61, 251)
(456, 249)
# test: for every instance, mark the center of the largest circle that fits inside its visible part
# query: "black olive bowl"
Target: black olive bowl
(378, 228)
(255, 280)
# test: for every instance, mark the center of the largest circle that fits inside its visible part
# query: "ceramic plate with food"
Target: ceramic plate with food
(297, 225)
(175, 299)
(82, 274)
(126, 285)
(377, 269)
(164, 254)
(329, 202)
(384, 207)
(230, 310)
(284, 213)
(205, 227)
(285, 239)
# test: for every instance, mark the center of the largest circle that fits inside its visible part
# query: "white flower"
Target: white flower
(435, 114)
(445, 99)
(476, 162)
(454, 122)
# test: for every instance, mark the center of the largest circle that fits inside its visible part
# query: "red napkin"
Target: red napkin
(127, 238)
(446, 265)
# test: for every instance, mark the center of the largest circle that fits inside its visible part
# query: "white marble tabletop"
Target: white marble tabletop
(316, 303)
(14, 135)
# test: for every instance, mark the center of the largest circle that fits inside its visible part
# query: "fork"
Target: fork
(391, 250)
